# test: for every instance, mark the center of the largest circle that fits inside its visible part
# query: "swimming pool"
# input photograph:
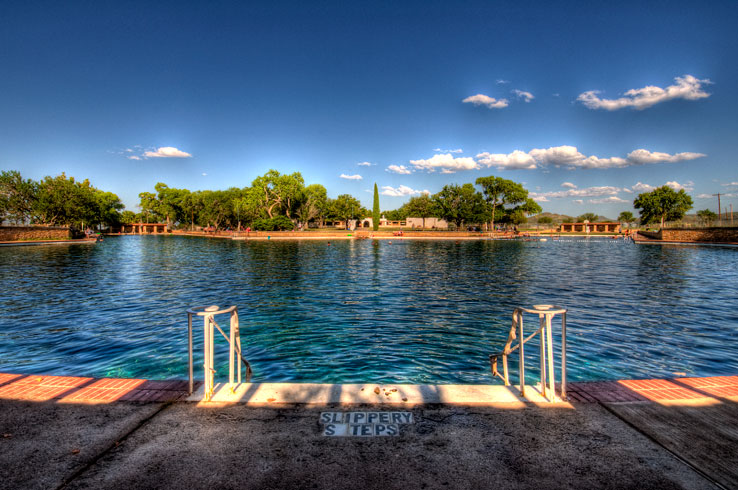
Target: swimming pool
(414, 311)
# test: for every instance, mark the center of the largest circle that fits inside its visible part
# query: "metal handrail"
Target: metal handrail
(545, 315)
(208, 313)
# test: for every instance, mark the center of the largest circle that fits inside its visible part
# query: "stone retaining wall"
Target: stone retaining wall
(653, 235)
(711, 235)
(19, 233)
(715, 235)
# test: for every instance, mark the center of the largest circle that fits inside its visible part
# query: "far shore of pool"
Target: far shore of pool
(389, 235)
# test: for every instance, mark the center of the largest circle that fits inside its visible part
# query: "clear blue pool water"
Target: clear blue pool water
(364, 311)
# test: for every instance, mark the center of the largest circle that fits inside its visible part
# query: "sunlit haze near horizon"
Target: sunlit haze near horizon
(587, 105)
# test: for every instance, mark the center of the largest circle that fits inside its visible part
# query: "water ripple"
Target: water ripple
(400, 312)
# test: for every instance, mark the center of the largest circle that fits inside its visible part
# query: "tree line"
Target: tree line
(273, 201)
(279, 201)
(282, 201)
(497, 200)
(59, 200)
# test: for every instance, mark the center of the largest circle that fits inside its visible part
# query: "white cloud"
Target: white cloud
(445, 161)
(565, 156)
(586, 192)
(204, 174)
(526, 96)
(399, 169)
(401, 191)
(128, 150)
(134, 157)
(641, 187)
(364, 164)
(351, 177)
(568, 185)
(500, 81)
(578, 201)
(540, 198)
(705, 196)
(489, 102)
(687, 186)
(570, 157)
(730, 184)
(643, 157)
(606, 200)
(167, 152)
(627, 190)
(515, 160)
(686, 87)
(439, 150)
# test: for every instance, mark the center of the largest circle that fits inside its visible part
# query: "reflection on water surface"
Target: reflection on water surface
(406, 311)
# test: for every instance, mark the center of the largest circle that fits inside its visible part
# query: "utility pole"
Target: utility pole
(718, 196)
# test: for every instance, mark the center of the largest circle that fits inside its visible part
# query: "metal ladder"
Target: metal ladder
(545, 316)
(209, 324)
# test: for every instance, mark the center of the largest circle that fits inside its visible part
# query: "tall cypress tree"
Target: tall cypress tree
(375, 209)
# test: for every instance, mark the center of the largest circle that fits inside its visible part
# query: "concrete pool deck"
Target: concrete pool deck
(76, 432)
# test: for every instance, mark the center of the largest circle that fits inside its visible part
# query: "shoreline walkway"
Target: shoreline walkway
(78, 432)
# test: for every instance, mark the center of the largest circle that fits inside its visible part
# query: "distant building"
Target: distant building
(143, 228)
(368, 222)
(437, 223)
(587, 227)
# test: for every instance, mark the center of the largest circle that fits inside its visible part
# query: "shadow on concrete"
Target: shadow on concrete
(469, 447)
(690, 417)
(611, 444)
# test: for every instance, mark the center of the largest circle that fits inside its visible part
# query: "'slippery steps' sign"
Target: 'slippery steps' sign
(364, 424)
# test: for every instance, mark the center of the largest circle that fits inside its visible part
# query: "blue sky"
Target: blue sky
(587, 103)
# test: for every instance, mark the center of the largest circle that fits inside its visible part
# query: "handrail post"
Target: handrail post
(563, 356)
(551, 373)
(542, 343)
(522, 360)
(189, 345)
(235, 356)
(545, 313)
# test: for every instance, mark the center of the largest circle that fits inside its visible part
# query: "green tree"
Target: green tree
(168, 202)
(246, 206)
(591, 217)
(17, 197)
(108, 208)
(460, 204)
(314, 204)
(65, 201)
(421, 206)
(127, 217)
(216, 208)
(279, 191)
(662, 204)
(399, 214)
(375, 209)
(500, 192)
(545, 220)
(346, 207)
(706, 216)
(149, 205)
(274, 224)
(626, 217)
(191, 205)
